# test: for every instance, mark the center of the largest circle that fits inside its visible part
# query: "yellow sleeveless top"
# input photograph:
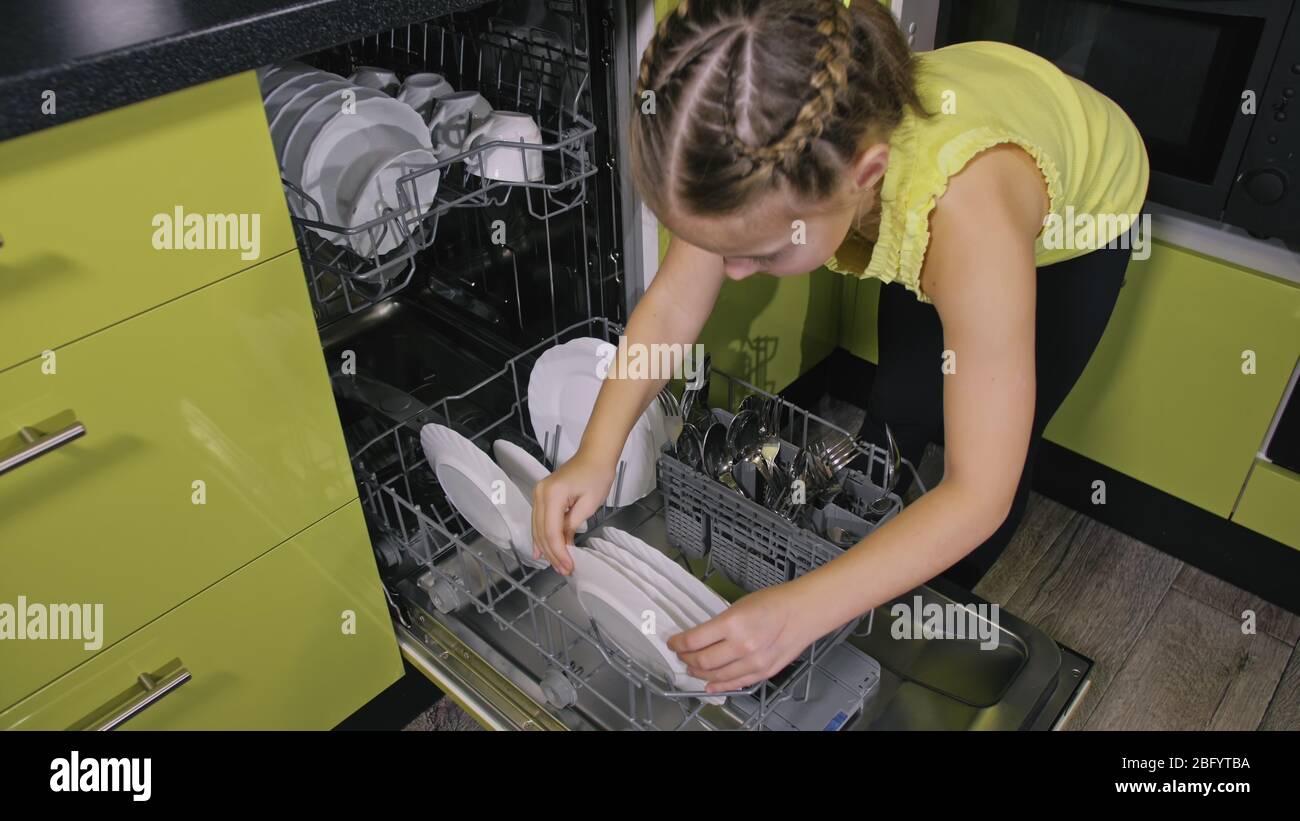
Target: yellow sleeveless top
(983, 94)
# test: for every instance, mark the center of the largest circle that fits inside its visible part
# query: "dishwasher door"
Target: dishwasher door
(941, 683)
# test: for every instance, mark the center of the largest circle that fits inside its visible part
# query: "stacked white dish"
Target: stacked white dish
(561, 396)
(481, 491)
(346, 146)
(638, 598)
(522, 468)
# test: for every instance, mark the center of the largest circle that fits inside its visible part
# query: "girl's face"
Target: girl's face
(780, 236)
(774, 237)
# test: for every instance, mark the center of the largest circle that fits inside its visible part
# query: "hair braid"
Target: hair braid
(659, 46)
(818, 79)
(827, 83)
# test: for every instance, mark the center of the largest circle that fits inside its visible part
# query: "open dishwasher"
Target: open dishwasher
(436, 312)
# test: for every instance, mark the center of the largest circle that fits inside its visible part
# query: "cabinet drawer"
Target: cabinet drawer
(1270, 502)
(78, 205)
(225, 386)
(298, 639)
(1165, 398)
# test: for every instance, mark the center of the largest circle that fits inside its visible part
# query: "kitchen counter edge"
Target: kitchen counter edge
(221, 46)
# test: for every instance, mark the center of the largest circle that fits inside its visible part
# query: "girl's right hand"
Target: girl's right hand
(562, 502)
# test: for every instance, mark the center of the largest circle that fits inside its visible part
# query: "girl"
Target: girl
(939, 174)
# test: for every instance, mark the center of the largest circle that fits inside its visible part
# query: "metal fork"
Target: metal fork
(831, 459)
(672, 410)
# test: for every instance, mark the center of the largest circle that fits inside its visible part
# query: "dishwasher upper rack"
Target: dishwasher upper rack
(395, 482)
(518, 69)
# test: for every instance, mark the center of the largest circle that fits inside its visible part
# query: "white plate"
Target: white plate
(281, 74)
(285, 92)
(619, 608)
(379, 195)
(519, 465)
(291, 112)
(469, 479)
(639, 476)
(347, 147)
(685, 581)
(685, 612)
(309, 124)
(524, 470)
(562, 392)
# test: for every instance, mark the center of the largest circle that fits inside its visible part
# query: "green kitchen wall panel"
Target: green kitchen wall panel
(770, 330)
(858, 318)
(1167, 398)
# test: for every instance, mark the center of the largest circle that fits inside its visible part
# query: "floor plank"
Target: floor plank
(1044, 522)
(1094, 590)
(1193, 669)
(1269, 618)
(1283, 711)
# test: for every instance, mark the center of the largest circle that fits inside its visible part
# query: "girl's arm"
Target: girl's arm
(980, 273)
(672, 311)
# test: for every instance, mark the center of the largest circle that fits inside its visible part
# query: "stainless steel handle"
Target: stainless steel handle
(147, 691)
(38, 443)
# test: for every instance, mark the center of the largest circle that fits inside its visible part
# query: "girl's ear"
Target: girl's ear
(870, 166)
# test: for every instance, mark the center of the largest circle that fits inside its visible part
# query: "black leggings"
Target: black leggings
(1075, 300)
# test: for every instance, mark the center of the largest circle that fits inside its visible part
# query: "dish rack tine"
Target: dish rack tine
(618, 484)
(553, 455)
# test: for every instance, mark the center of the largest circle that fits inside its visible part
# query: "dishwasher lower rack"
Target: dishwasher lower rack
(515, 68)
(404, 504)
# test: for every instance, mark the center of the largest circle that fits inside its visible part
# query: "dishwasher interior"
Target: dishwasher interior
(446, 326)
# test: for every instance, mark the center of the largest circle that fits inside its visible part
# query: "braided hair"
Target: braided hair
(749, 95)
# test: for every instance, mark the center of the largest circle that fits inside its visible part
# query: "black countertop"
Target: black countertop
(97, 55)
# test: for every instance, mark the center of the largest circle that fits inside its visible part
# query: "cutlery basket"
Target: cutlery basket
(750, 544)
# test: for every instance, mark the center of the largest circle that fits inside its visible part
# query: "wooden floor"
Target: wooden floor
(1167, 640)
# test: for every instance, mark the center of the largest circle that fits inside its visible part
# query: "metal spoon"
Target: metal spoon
(690, 447)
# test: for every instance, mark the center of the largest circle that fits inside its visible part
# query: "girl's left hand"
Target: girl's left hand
(751, 641)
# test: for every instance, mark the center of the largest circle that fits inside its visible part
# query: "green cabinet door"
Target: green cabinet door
(81, 206)
(298, 639)
(211, 436)
(1270, 504)
(1187, 377)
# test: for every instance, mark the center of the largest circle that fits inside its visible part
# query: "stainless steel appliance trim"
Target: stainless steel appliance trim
(633, 29)
(478, 687)
(1221, 241)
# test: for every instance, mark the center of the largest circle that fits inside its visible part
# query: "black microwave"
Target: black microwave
(1211, 84)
